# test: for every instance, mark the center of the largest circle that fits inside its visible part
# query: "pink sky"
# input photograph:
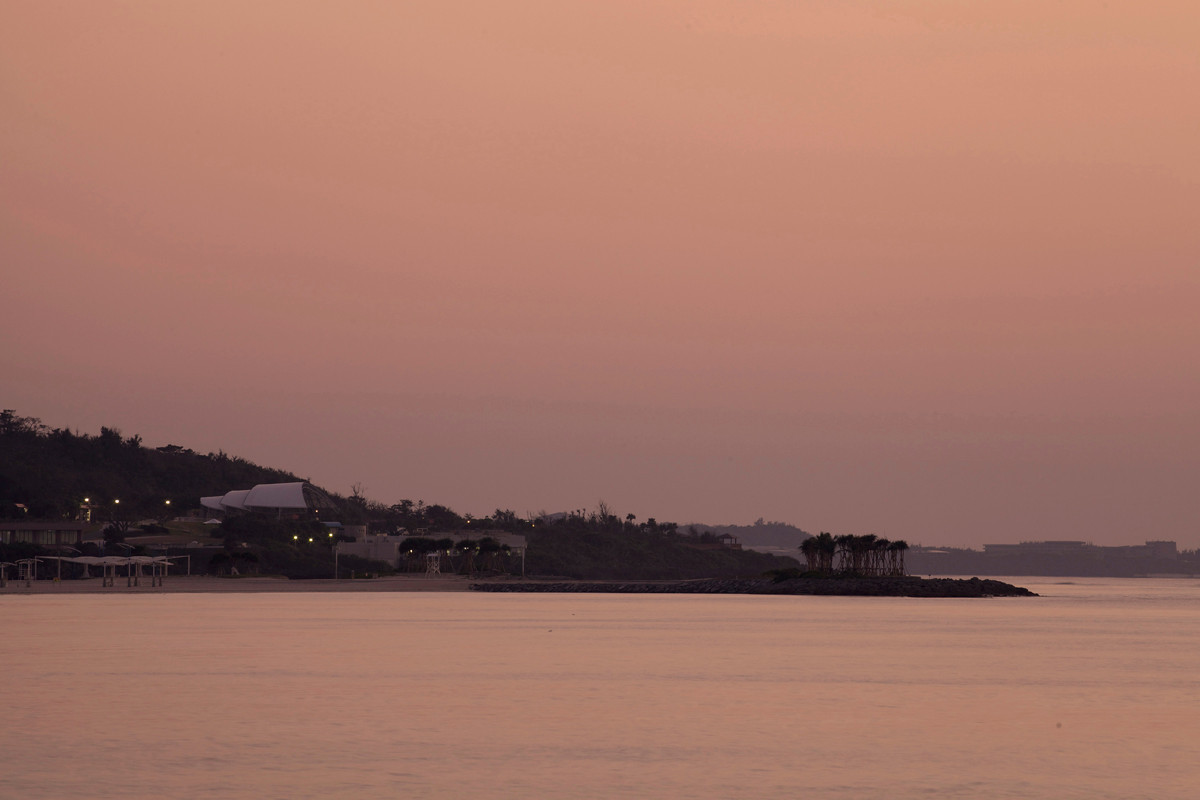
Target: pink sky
(929, 270)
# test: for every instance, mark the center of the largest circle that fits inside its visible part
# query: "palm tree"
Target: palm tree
(896, 551)
(845, 552)
(863, 547)
(879, 556)
(811, 548)
(829, 548)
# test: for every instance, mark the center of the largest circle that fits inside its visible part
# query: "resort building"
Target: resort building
(292, 499)
(51, 533)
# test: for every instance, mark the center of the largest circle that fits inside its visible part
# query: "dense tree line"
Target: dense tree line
(604, 545)
(854, 555)
(585, 544)
(259, 543)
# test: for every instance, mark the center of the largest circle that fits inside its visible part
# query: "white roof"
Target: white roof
(297, 494)
(213, 502)
(235, 499)
(276, 495)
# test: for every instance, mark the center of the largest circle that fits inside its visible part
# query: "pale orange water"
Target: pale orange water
(1090, 692)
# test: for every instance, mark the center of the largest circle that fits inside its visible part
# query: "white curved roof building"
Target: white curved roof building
(296, 496)
(284, 495)
(235, 499)
(213, 503)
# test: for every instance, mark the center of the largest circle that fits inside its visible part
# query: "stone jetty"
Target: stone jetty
(845, 586)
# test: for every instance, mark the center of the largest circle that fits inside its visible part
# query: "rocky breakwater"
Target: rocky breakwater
(845, 586)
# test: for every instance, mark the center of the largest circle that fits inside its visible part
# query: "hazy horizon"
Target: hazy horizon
(923, 269)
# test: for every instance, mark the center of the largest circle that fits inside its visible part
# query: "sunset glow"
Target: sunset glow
(924, 269)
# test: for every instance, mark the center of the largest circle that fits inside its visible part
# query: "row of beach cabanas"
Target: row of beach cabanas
(109, 565)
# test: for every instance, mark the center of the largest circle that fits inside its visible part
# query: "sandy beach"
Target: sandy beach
(208, 583)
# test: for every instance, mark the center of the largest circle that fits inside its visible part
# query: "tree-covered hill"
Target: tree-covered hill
(47, 472)
(602, 546)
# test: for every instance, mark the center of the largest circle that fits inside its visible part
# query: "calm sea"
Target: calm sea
(1092, 691)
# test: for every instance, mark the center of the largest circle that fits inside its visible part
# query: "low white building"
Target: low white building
(375, 546)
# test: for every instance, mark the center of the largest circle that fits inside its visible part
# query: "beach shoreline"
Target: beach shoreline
(182, 584)
(205, 584)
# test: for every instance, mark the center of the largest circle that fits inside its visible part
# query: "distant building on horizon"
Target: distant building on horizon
(1056, 557)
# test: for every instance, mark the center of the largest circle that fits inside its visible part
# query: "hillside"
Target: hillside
(49, 472)
(603, 547)
(762, 534)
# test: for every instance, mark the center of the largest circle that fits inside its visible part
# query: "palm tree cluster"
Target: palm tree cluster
(854, 555)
